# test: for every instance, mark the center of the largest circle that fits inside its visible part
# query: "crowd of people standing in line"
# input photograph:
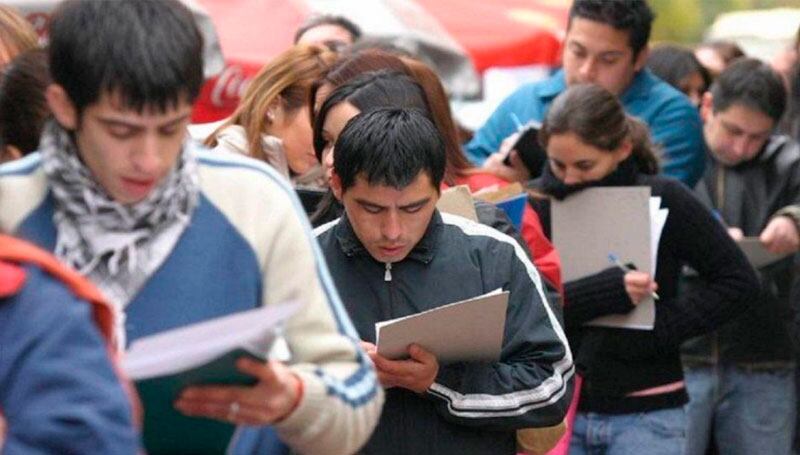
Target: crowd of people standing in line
(153, 231)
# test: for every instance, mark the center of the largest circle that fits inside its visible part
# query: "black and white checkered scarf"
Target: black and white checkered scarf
(117, 246)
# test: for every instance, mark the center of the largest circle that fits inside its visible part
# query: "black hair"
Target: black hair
(597, 118)
(753, 84)
(674, 63)
(390, 147)
(328, 19)
(634, 16)
(148, 52)
(23, 106)
(372, 90)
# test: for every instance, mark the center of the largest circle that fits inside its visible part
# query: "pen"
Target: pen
(626, 268)
(516, 121)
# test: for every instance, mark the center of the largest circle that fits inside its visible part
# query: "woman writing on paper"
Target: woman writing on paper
(633, 381)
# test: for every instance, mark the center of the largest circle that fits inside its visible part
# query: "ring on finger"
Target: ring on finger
(233, 410)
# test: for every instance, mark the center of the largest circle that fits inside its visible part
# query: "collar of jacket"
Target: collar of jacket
(423, 251)
(772, 147)
(639, 87)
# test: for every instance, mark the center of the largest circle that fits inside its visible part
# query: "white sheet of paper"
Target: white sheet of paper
(757, 253)
(183, 348)
(589, 225)
(469, 330)
(658, 218)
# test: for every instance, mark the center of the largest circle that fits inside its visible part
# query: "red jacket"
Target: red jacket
(545, 256)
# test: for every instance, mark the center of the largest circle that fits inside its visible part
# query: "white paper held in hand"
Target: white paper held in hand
(626, 221)
(757, 253)
(469, 330)
(258, 331)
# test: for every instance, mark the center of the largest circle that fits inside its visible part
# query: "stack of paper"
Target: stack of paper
(596, 222)
(469, 330)
(205, 353)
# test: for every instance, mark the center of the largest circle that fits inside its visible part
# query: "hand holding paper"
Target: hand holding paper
(273, 398)
(780, 236)
(507, 166)
(416, 373)
(209, 354)
(468, 330)
(735, 233)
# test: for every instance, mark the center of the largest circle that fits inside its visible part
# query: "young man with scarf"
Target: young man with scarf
(173, 235)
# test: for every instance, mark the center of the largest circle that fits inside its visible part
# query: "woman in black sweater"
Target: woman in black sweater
(633, 393)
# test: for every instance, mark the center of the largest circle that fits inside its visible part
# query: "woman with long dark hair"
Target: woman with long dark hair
(633, 379)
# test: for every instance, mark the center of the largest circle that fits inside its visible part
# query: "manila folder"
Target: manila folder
(465, 331)
(457, 200)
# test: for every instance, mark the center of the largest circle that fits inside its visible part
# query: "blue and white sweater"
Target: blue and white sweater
(248, 244)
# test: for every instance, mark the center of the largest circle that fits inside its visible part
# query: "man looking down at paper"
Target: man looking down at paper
(752, 180)
(173, 235)
(392, 254)
(606, 44)
(633, 391)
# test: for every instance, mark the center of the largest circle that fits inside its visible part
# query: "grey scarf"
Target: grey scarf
(117, 246)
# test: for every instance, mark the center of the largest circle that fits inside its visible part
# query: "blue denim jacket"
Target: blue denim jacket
(674, 122)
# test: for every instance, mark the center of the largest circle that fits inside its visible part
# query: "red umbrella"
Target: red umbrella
(250, 33)
(504, 32)
(496, 33)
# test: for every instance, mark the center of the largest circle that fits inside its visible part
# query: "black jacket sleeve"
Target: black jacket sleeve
(596, 295)
(531, 384)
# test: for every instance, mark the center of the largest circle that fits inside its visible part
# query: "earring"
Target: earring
(271, 116)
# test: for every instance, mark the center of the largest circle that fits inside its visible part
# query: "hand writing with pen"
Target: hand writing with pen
(638, 285)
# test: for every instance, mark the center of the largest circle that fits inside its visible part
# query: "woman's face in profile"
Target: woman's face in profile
(574, 161)
(693, 85)
(332, 127)
(294, 130)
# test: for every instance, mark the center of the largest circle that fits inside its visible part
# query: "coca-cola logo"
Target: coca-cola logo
(229, 86)
(40, 23)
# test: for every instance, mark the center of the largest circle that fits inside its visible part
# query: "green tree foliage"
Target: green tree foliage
(685, 21)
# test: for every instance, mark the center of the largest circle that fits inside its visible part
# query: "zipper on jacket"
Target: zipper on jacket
(715, 354)
(387, 278)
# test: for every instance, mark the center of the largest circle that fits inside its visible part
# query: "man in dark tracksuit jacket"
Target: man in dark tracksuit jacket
(741, 378)
(392, 254)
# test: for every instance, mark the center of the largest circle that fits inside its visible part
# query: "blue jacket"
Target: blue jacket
(58, 390)
(673, 121)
